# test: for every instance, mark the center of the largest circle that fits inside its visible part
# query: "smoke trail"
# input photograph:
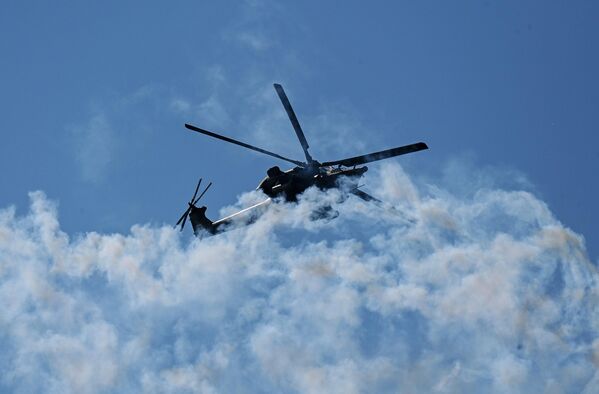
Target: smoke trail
(442, 293)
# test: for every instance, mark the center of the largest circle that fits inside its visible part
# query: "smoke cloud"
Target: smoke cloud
(440, 292)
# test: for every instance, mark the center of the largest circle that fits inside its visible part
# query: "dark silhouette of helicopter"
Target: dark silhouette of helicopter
(287, 185)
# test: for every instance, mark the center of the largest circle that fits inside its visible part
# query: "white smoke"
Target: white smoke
(480, 293)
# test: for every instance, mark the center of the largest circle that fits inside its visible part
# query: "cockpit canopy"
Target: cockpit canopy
(274, 172)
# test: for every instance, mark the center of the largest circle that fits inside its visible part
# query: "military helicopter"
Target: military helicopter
(288, 185)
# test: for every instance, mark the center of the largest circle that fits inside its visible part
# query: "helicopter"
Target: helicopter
(288, 185)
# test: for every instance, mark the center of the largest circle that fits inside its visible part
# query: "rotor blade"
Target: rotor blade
(205, 190)
(365, 196)
(384, 154)
(182, 217)
(390, 208)
(184, 220)
(231, 140)
(294, 121)
(197, 188)
(192, 199)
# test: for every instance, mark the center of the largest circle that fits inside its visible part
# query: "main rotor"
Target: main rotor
(310, 162)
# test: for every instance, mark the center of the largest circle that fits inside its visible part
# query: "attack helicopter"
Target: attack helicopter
(288, 185)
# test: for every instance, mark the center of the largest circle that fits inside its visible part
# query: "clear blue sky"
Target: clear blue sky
(94, 96)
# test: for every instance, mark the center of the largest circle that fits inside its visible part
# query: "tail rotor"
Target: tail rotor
(191, 204)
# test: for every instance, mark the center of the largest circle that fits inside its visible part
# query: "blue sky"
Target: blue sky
(504, 84)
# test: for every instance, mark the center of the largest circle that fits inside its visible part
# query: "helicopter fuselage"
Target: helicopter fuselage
(288, 185)
(291, 183)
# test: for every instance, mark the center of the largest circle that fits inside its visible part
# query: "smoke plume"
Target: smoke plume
(438, 292)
